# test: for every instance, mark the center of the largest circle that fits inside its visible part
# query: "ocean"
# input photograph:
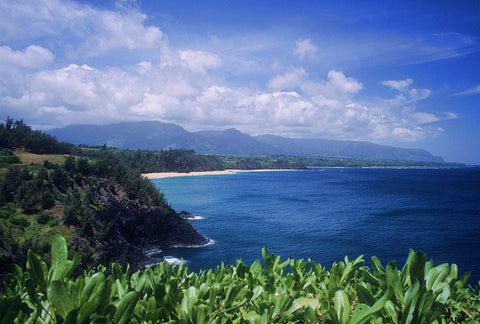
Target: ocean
(329, 213)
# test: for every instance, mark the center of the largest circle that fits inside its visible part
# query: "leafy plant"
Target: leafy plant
(306, 293)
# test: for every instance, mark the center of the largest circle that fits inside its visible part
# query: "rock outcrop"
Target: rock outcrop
(135, 227)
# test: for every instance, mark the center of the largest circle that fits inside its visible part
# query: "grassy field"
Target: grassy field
(28, 158)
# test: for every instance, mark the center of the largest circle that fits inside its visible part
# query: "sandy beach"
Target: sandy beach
(157, 175)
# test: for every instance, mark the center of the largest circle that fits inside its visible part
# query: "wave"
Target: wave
(210, 242)
(173, 260)
(194, 218)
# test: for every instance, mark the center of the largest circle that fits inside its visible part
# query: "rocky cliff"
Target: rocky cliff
(134, 227)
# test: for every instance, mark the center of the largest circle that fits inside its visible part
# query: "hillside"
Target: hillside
(100, 204)
(157, 135)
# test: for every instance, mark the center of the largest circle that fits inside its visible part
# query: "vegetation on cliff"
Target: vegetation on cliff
(105, 209)
(15, 134)
(296, 291)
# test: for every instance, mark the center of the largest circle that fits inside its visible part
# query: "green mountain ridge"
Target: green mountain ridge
(154, 135)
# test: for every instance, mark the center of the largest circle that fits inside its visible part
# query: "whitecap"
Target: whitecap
(151, 265)
(210, 242)
(173, 261)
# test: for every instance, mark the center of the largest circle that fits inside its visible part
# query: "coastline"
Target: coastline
(158, 175)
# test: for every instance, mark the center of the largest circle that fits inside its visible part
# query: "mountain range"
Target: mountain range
(155, 135)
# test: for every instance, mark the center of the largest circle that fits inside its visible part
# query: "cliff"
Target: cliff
(134, 227)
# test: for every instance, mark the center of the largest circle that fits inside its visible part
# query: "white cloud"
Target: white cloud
(425, 118)
(338, 82)
(401, 85)
(75, 28)
(292, 104)
(32, 57)
(305, 49)
(199, 61)
(470, 91)
(336, 85)
(292, 79)
(181, 85)
(416, 134)
(407, 94)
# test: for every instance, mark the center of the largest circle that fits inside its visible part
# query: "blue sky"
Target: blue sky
(403, 73)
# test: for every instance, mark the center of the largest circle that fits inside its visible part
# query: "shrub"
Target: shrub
(20, 222)
(44, 218)
(308, 293)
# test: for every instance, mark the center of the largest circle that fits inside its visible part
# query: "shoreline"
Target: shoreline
(159, 175)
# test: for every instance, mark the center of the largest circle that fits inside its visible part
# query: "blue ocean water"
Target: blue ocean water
(329, 213)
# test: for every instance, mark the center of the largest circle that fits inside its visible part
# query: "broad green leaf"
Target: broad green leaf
(71, 266)
(377, 265)
(453, 274)
(445, 293)
(412, 296)
(417, 267)
(235, 292)
(393, 281)
(141, 282)
(60, 298)
(116, 270)
(391, 311)
(463, 280)
(284, 264)
(125, 307)
(71, 317)
(370, 278)
(90, 285)
(264, 253)
(59, 257)
(120, 289)
(30, 286)
(85, 312)
(301, 302)
(9, 308)
(341, 305)
(364, 295)
(361, 315)
(310, 316)
(35, 269)
(437, 276)
(257, 292)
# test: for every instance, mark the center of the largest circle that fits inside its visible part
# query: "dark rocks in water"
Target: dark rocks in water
(186, 215)
(134, 226)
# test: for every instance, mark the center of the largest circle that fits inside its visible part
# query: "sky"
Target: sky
(402, 73)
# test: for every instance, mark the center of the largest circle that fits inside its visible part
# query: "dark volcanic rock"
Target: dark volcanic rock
(186, 215)
(134, 226)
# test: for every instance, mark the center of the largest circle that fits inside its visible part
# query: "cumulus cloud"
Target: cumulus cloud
(401, 85)
(295, 78)
(181, 85)
(305, 49)
(200, 61)
(293, 103)
(75, 28)
(33, 56)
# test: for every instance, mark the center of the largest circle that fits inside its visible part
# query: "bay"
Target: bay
(329, 213)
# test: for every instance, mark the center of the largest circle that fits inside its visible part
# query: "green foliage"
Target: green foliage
(30, 195)
(149, 161)
(7, 157)
(15, 134)
(44, 218)
(306, 293)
